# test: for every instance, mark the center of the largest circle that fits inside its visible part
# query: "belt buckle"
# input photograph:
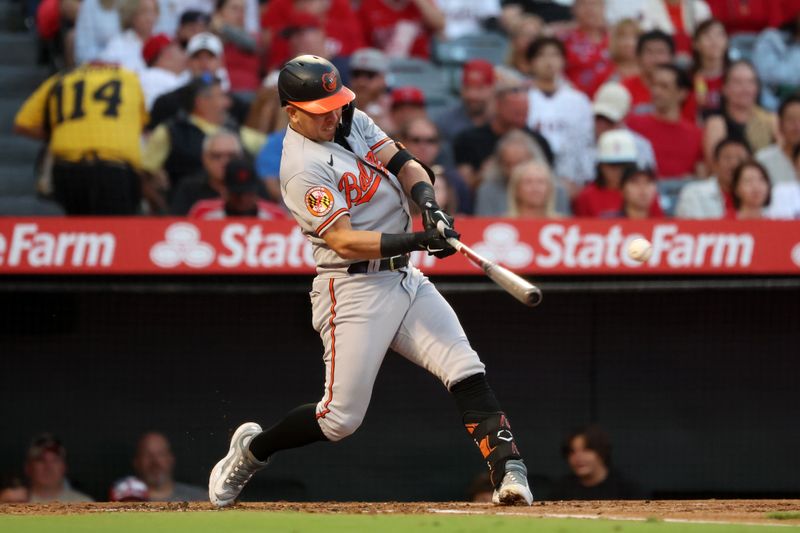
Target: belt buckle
(391, 262)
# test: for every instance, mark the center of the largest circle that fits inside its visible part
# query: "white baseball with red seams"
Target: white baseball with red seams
(640, 250)
(360, 316)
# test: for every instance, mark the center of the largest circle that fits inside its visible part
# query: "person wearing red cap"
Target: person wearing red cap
(165, 61)
(335, 18)
(408, 103)
(46, 470)
(477, 83)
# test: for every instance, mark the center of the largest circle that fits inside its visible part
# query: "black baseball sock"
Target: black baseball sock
(474, 394)
(298, 428)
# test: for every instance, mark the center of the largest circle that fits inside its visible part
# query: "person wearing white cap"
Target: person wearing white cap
(368, 67)
(205, 56)
(616, 154)
(611, 104)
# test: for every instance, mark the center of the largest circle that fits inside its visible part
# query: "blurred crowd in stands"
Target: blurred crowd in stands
(524, 108)
(587, 452)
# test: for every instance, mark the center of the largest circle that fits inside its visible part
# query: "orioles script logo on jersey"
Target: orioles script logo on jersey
(319, 201)
(359, 189)
(329, 81)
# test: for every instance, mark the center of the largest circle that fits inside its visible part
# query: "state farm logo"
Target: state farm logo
(182, 244)
(501, 244)
(31, 246)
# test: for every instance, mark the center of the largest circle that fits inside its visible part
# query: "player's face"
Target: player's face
(319, 128)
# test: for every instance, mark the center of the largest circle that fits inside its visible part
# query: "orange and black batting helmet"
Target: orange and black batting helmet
(313, 84)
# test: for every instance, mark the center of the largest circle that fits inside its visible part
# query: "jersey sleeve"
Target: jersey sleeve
(32, 113)
(314, 202)
(375, 137)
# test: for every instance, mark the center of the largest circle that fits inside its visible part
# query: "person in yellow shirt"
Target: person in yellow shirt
(92, 117)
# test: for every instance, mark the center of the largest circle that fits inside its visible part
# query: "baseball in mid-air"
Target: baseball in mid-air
(640, 250)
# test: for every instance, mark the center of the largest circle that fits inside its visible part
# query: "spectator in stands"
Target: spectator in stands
(94, 136)
(172, 11)
(191, 23)
(242, 49)
(678, 18)
(154, 464)
(12, 489)
(741, 116)
(785, 202)
(477, 83)
(473, 147)
(46, 469)
(560, 113)
(219, 148)
(137, 19)
(616, 153)
(205, 57)
(777, 157)
(639, 192)
(776, 55)
(622, 49)
(710, 60)
(368, 67)
(653, 49)
(592, 476)
(401, 28)
(523, 30)
(467, 17)
(670, 88)
(711, 197)
(240, 197)
(610, 107)
(422, 138)
(129, 489)
(740, 16)
(588, 60)
(531, 191)
(750, 190)
(97, 23)
(335, 18)
(408, 103)
(174, 149)
(166, 62)
(514, 148)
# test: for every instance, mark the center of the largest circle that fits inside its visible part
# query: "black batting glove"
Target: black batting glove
(436, 245)
(423, 195)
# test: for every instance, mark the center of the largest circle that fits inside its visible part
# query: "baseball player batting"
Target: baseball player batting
(348, 186)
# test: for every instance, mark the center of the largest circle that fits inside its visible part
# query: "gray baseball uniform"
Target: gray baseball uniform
(360, 316)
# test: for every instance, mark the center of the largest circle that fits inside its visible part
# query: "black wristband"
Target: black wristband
(423, 195)
(401, 243)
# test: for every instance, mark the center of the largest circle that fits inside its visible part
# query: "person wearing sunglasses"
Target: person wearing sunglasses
(368, 68)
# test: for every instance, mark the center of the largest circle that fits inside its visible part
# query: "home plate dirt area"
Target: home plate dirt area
(786, 512)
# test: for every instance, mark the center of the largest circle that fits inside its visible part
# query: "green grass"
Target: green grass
(266, 522)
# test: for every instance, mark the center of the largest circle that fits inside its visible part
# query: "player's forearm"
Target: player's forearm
(354, 244)
(411, 174)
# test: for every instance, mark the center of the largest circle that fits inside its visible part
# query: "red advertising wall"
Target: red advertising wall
(249, 246)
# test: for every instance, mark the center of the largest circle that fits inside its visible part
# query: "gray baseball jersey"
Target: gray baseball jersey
(360, 316)
(322, 182)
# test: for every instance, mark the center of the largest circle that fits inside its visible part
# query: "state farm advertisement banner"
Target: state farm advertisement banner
(249, 246)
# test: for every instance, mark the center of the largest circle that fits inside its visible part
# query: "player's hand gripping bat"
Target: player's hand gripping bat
(520, 289)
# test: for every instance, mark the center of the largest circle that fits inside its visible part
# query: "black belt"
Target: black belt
(390, 263)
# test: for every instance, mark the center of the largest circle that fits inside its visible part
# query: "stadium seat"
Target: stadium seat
(453, 54)
(668, 192)
(422, 74)
(29, 205)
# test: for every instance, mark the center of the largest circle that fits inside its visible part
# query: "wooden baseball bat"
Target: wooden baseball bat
(517, 287)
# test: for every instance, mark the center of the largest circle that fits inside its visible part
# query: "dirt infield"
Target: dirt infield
(731, 511)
